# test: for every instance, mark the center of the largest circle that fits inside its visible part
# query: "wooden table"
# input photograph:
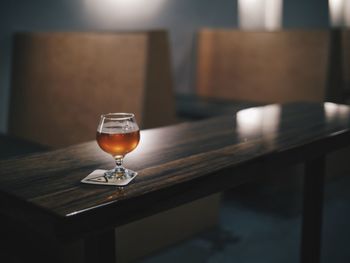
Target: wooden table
(195, 107)
(176, 164)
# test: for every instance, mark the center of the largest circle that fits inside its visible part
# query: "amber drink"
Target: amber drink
(118, 144)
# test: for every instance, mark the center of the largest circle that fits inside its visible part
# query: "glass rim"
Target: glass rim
(117, 116)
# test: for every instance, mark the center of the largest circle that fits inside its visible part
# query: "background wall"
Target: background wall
(182, 18)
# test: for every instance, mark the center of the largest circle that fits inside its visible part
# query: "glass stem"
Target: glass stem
(119, 163)
(118, 171)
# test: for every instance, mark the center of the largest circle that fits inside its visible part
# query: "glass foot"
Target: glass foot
(104, 177)
(119, 175)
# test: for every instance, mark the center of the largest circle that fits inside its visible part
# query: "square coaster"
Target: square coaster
(98, 177)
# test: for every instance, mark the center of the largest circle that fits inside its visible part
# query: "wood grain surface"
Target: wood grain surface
(176, 164)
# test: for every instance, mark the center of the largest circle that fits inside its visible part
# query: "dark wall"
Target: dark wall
(181, 18)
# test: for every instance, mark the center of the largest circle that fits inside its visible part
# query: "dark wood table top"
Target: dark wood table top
(176, 164)
(194, 107)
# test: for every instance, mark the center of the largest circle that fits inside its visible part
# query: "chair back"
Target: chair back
(63, 81)
(266, 67)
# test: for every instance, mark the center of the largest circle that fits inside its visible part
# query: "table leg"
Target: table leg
(312, 210)
(100, 247)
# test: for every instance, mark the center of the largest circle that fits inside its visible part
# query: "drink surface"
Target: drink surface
(118, 143)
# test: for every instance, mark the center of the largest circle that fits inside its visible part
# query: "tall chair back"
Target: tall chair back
(264, 67)
(63, 81)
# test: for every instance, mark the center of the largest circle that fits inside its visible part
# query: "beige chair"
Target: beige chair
(265, 67)
(62, 82)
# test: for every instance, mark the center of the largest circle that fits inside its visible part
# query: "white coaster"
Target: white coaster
(98, 177)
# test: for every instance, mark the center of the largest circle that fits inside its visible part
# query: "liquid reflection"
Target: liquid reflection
(260, 122)
(336, 112)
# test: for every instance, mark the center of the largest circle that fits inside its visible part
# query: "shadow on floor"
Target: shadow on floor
(262, 224)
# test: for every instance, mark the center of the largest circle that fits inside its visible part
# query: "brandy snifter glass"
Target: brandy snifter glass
(118, 134)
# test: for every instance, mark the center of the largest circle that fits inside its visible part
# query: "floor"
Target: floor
(262, 224)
